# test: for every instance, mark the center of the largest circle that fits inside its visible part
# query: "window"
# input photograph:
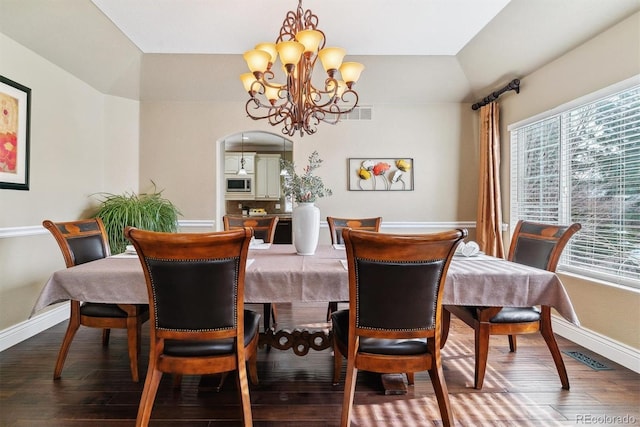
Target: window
(581, 163)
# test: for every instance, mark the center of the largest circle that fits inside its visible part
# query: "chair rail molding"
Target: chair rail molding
(32, 230)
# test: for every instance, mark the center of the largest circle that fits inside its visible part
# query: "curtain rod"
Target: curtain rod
(513, 85)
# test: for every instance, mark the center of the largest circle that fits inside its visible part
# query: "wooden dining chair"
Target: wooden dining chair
(336, 225)
(536, 245)
(84, 241)
(199, 326)
(263, 228)
(395, 302)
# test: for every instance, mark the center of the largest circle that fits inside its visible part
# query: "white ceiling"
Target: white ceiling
(414, 51)
(410, 27)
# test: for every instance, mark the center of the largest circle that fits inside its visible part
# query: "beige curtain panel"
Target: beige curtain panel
(489, 218)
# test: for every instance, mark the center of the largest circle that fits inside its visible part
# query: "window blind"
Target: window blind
(583, 165)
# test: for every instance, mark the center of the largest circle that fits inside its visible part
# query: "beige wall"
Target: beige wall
(180, 156)
(611, 57)
(82, 142)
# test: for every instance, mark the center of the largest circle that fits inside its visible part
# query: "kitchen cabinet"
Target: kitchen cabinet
(232, 162)
(268, 185)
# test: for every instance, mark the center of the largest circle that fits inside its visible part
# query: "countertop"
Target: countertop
(282, 216)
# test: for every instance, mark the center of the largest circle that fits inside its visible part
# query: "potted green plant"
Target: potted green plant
(148, 211)
(305, 189)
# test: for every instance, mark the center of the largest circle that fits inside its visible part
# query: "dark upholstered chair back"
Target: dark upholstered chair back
(80, 241)
(194, 280)
(263, 227)
(336, 225)
(410, 304)
(396, 280)
(194, 294)
(540, 245)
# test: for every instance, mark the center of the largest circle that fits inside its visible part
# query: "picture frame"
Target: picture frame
(380, 174)
(15, 122)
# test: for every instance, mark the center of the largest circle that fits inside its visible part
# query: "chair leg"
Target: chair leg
(482, 353)
(223, 378)
(148, 395)
(243, 388)
(106, 332)
(547, 332)
(132, 344)
(349, 390)
(512, 343)
(266, 315)
(72, 328)
(446, 324)
(253, 368)
(337, 363)
(442, 394)
(274, 314)
(139, 340)
(177, 381)
(410, 378)
(333, 306)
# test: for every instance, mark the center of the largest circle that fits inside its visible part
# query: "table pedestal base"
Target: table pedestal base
(299, 340)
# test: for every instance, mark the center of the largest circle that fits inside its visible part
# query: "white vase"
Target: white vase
(306, 228)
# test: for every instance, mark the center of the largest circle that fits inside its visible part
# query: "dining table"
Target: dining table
(277, 274)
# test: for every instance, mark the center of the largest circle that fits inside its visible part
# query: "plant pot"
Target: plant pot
(306, 228)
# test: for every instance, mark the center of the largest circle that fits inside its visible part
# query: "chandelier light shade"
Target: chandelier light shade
(291, 98)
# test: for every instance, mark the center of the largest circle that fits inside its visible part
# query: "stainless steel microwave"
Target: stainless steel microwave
(239, 184)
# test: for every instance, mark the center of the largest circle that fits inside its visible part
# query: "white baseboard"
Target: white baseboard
(33, 326)
(615, 351)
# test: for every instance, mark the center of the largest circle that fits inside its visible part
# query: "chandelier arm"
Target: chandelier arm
(334, 107)
(280, 115)
(269, 112)
(345, 98)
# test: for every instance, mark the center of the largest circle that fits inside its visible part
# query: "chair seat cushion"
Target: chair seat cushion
(517, 315)
(511, 314)
(193, 348)
(340, 323)
(93, 309)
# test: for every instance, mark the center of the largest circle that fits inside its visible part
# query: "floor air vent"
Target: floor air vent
(593, 364)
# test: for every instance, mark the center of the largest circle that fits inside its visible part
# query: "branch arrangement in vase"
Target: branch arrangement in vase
(307, 187)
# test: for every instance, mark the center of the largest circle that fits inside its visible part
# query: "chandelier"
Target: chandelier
(291, 98)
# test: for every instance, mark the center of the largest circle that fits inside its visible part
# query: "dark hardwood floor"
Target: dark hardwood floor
(520, 389)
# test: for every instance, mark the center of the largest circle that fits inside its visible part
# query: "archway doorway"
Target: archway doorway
(258, 148)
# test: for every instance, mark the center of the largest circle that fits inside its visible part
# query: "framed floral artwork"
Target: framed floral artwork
(15, 104)
(381, 174)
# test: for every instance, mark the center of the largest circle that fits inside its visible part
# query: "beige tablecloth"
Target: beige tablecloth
(279, 275)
